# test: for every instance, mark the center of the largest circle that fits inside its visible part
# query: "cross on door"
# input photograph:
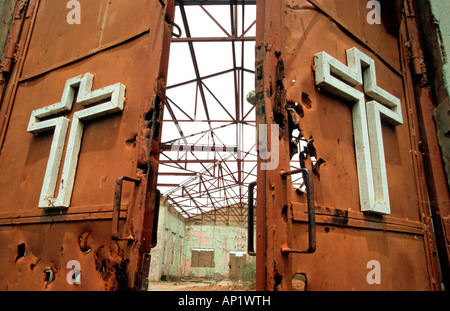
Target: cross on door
(97, 105)
(367, 117)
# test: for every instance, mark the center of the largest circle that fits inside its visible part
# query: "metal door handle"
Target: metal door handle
(116, 208)
(155, 220)
(309, 183)
(250, 238)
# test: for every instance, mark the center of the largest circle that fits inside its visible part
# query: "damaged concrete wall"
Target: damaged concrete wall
(198, 250)
(228, 242)
(6, 11)
(436, 28)
(441, 11)
(166, 256)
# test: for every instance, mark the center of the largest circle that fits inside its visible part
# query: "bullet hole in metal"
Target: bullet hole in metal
(259, 73)
(295, 113)
(280, 93)
(143, 167)
(151, 120)
(83, 243)
(316, 167)
(306, 101)
(278, 280)
(299, 282)
(149, 115)
(284, 213)
(121, 274)
(295, 133)
(309, 150)
(279, 119)
(157, 106)
(102, 266)
(156, 131)
(21, 251)
(131, 142)
(48, 276)
(327, 229)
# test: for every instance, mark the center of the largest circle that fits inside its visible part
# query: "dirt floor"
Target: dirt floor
(201, 285)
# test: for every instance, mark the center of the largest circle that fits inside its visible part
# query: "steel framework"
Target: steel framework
(208, 148)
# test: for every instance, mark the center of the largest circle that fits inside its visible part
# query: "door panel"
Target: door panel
(103, 24)
(348, 239)
(343, 253)
(329, 122)
(104, 141)
(116, 138)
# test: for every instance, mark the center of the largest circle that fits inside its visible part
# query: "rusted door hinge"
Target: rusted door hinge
(417, 61)
(411, 12)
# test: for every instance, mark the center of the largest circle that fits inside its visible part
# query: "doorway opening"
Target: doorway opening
(208, 147)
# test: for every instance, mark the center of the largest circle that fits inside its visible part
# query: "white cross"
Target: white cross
(98, 103)
(367, 117)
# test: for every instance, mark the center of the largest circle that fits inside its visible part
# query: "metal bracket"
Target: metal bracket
(309, 182)
(180, 32)
(116, 209)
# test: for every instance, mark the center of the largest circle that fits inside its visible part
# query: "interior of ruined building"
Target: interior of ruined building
(208, 146)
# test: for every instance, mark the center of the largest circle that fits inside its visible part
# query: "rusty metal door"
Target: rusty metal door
(335, 95)
(79, 140)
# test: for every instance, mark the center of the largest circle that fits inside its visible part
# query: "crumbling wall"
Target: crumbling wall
(198, 250)
(166, 256)
(436, 28)
(441, 9)
(227, 243)
(6, 11)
